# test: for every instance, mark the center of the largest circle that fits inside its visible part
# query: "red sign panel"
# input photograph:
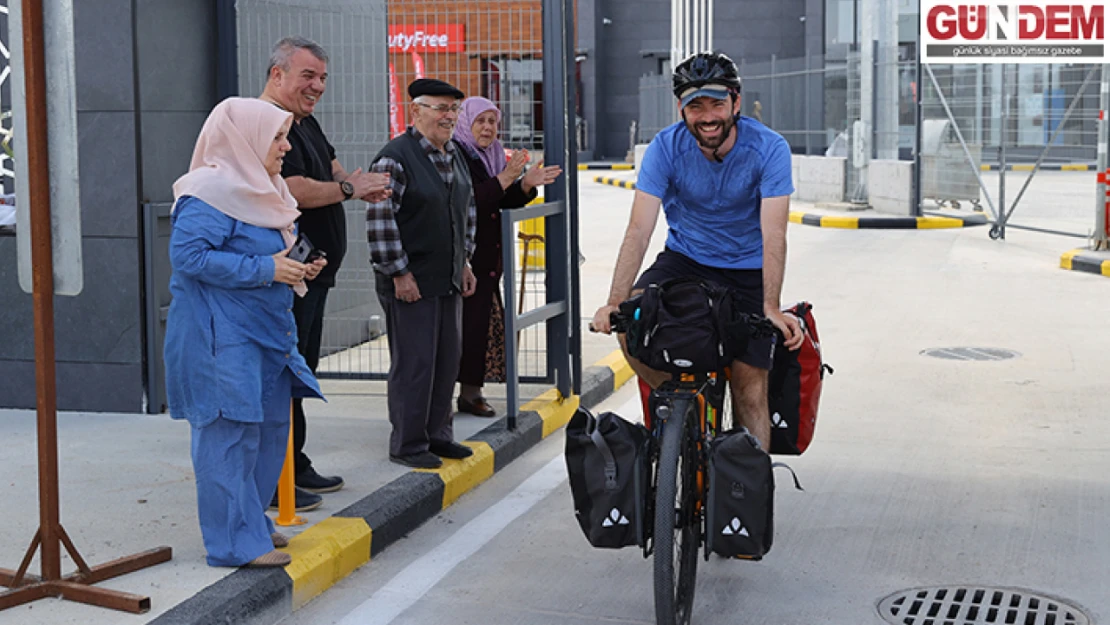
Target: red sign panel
(427, 38)
(396, 110)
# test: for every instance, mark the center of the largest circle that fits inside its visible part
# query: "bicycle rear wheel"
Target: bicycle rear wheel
(677, 529)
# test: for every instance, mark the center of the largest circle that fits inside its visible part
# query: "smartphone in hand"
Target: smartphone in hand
(303, 250)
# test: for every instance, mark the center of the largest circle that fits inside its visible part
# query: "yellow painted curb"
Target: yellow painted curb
(459, 476)
(326, 553)
(1066, 258)
(796, 217)
(936, 223)
(850, 223)
(614, 167)
(613, 182)
(1075, 168)
(622, 371)
(554, 411)
(1021, 168)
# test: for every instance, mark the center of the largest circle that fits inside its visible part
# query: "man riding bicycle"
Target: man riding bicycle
(724, 183)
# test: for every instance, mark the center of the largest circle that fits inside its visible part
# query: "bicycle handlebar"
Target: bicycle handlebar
(618, 323)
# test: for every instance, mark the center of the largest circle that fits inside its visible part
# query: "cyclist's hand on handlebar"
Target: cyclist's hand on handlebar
(601, 319)
(788, 325)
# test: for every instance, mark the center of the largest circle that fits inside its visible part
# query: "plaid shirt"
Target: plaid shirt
(386, 250)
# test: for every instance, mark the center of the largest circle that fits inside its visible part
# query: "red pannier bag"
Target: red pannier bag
(794, 387)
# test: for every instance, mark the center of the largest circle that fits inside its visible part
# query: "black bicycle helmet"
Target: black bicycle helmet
(705, 68)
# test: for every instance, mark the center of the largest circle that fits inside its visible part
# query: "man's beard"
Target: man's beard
(719, 140)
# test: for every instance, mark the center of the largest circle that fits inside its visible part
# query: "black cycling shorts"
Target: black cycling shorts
(749, 282)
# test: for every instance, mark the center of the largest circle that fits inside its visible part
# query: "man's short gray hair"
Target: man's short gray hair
(284, 50)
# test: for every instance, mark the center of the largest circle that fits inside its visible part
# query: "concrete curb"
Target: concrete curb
(606, 166)
(1055, 167)
(1082, 260)
(613, 182)
(332, 549)
(928, 222)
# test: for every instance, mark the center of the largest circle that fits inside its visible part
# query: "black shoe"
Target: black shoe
(420, 460)
(305, 501)
(313, 482)
(479, 407)
(450, 449)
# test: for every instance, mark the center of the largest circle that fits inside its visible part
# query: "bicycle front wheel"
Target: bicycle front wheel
(677, 529)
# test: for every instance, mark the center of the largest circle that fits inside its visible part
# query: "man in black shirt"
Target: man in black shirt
(296, 79)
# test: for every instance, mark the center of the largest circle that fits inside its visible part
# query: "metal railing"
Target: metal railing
(517, 321)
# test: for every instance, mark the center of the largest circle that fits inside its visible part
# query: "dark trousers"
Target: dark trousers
(425, 341)
(309, 313)
(475, 328)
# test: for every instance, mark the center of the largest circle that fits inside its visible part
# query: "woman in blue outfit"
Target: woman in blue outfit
(232, 365)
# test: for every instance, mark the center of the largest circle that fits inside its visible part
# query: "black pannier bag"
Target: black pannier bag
(607, 465)
(741, 505)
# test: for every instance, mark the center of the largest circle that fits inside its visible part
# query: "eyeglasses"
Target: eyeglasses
(442, 108)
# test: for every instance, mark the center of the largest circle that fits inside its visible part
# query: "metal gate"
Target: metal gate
(1028, 133)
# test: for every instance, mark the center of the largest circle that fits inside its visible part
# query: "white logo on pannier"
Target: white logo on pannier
(735, 528)
(682, 362)
(779, 421)
(615, 518)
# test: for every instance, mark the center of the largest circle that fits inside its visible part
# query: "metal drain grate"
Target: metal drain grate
(946, 605)
(970, 353)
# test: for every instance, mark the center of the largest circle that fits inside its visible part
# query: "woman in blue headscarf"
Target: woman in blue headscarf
(498, 183)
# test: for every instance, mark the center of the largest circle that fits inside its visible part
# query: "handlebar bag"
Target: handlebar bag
(677, 327)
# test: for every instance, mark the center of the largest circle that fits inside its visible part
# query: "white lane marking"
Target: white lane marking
(412, 583)
(404, 590)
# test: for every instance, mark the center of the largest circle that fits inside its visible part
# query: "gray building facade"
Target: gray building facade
(137, 124)
(624, 48)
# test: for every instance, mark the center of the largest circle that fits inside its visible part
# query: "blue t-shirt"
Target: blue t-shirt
(712, 208)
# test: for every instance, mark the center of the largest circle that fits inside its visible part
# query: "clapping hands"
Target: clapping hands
(534, 177)
(539, 175)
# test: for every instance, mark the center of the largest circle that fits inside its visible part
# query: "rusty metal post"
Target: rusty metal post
(42, 256)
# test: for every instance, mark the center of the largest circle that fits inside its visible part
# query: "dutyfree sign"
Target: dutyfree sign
(405, 38)
(1013, 32)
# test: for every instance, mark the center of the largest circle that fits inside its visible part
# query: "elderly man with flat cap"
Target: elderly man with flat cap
(421, 240)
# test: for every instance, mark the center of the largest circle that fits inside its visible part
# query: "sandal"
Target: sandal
(270, 560)
(479, 407)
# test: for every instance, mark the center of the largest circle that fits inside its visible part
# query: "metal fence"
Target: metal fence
(1021, 141)
(801, 98)
(491, 48)
(1009, 117)
(657, 106)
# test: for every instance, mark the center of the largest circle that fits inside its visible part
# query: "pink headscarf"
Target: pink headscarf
(228, 170)
(494, 155)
